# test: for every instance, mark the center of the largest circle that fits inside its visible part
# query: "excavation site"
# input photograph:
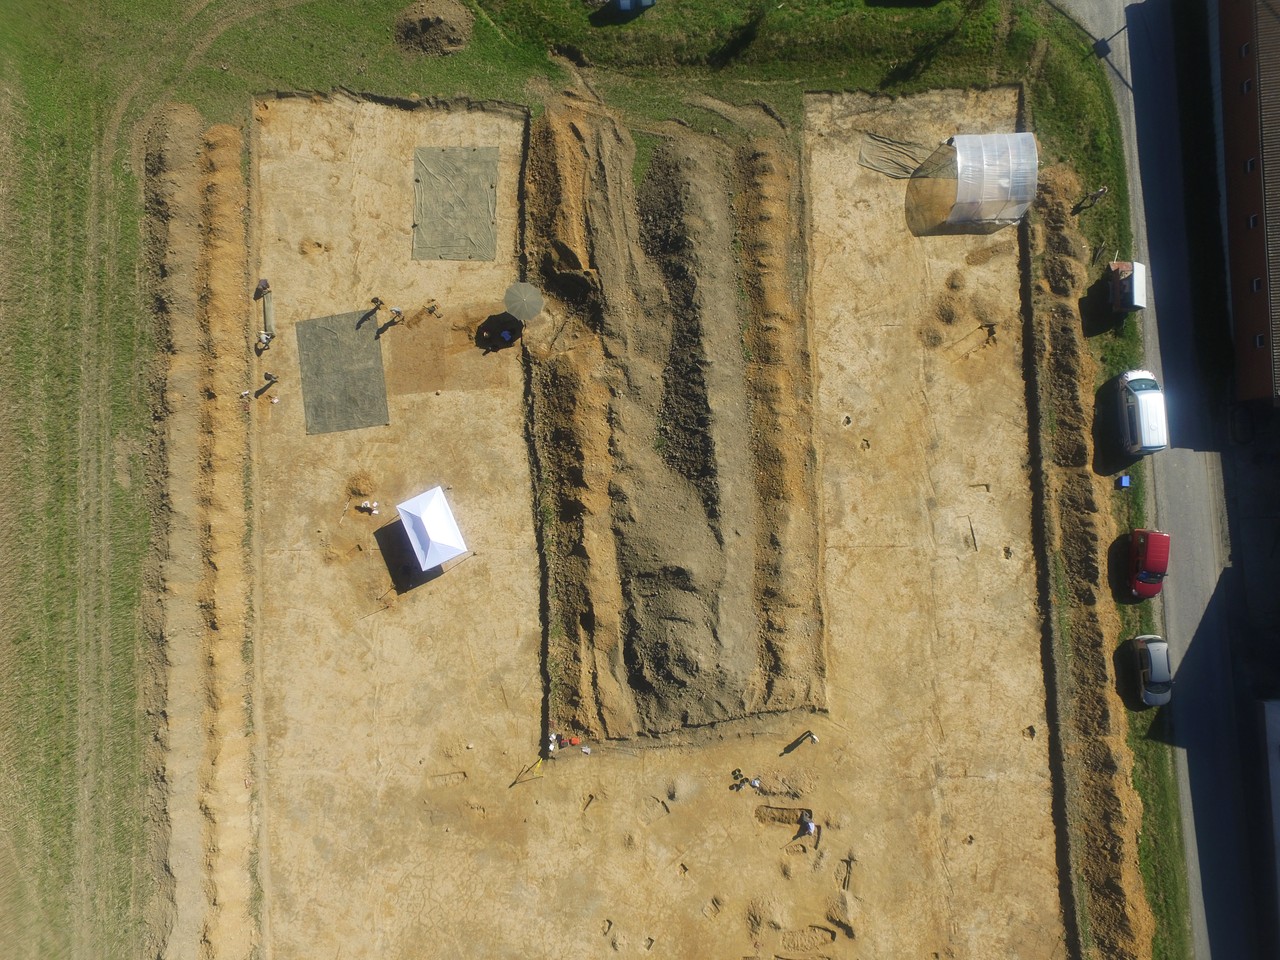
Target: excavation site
(637, 520)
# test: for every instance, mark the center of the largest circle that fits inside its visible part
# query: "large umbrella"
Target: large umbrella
(523, 301)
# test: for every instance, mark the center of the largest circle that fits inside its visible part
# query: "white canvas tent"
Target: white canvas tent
(996, 177)
(431, 528)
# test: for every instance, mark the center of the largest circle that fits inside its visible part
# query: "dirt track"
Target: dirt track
(847, 530)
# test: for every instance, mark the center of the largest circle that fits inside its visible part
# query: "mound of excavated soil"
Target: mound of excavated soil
(201, 271)
(671, 432)
(435, 27)
(1101, 800)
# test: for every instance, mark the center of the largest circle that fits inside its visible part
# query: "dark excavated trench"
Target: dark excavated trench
(669, 430)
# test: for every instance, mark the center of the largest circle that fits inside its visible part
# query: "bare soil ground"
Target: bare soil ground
(710, 507)
(929, 569)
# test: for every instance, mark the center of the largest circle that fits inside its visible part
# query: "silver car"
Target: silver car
(1143, 427)
(1155, 670)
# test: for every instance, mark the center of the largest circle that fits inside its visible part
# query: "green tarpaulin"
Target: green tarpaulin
(455, 196)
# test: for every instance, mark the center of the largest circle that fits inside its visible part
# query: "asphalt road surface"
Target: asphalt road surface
(1138, 52)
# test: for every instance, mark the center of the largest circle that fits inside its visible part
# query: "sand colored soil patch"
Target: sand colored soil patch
(370, 697)
(402, 796)
(351, 175)
(933, 626)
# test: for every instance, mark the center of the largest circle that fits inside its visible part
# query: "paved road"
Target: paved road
(1188, 488)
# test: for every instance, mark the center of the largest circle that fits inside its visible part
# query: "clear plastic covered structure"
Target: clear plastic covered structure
(996, 175)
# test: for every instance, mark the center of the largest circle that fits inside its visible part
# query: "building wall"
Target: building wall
(1250, 70)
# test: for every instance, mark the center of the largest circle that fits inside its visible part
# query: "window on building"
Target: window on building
(1259, 340)
(1257, 284)
(1253, 221)
(1246, 86)
(1250, 165)
(1244, 50)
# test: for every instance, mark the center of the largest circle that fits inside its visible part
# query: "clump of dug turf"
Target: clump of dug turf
(359, 484)
(435, 27)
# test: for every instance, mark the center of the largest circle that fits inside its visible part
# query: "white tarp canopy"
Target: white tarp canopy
(431, 528)
(996, 176)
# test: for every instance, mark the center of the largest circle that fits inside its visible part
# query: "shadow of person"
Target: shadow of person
(365, 316)
(1088, 203)
(377, 334)
(497, 332)
(794, 744)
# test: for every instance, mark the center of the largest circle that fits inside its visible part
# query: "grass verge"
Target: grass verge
(1160, 845)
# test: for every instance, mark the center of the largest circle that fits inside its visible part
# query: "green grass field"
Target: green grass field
(79, 371)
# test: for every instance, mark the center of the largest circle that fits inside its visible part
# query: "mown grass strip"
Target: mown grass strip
(1161, 853)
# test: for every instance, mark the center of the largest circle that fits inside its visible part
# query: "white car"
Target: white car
(1143, 427)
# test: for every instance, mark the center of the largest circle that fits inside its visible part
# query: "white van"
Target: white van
(1127, 290)
(1143, 428)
